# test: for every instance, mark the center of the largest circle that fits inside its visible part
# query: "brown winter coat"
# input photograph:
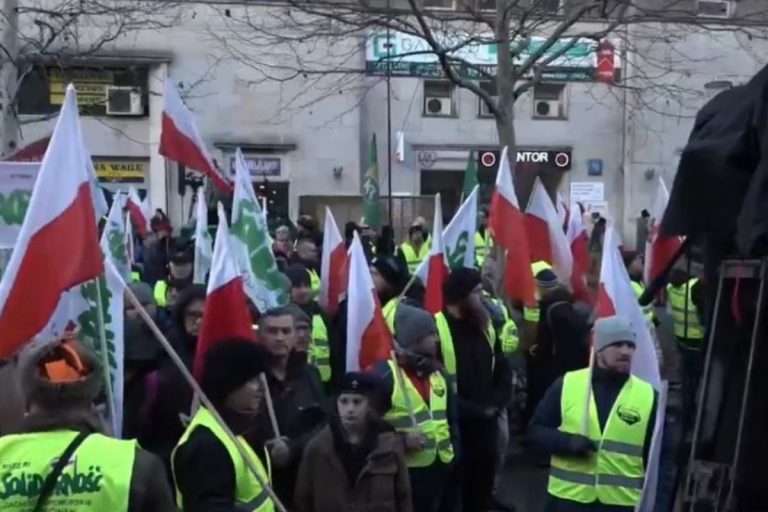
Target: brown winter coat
(382, 485)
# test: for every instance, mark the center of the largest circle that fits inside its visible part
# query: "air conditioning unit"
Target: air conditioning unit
(438, 106)
(546, 108)
(124, 101)
(715, 8)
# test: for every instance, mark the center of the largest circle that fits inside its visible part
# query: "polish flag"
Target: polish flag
(226, 312)
(508, 227)
(334, 266)
(139, 211)
(437, 270)
(58, 244)
(368, 338)
(660, 249)
(578, 240)
(545, 233)
(180, 140)
(615, 296)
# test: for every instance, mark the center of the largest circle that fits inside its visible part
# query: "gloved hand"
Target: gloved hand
(581, 446)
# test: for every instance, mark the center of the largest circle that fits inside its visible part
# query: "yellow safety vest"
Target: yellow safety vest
(320, 350)
(160, 292)
(431, 419)
(483, 242)
(314, 281)
(413, 258)
(679, 297)
(449, 351)
(135, 277)
(388, 311)
(613, 475)
(533, 313)
(249, 494)
(639, 289)
(510, 338)
(98, 477)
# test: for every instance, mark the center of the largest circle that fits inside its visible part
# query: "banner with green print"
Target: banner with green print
(17, 179)
(251, 244)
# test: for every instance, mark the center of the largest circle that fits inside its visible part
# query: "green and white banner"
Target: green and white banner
(17, 179)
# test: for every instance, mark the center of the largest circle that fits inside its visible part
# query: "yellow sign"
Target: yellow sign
(91, 85)
(120, 171)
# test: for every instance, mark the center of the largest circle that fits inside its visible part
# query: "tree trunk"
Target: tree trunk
(9, 78)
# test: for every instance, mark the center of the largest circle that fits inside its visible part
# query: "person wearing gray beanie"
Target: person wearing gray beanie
(618, 430)
(417, 374)
(61, 380)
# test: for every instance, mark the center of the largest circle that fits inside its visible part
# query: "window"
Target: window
(447, 5)
(550, 101)
(547, 5)
(42, 90)
(439, 99)
(490, 88)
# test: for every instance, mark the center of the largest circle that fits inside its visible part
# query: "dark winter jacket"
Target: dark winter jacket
(325, 481)
(301, 409)
(544, 434)
(149, 489)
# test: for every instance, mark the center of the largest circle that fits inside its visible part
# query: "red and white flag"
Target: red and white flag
(508, 227)
(546, 235)
(437, 269)
(139, 211)
(334, 266)
(578, 240)
(368, 338)
(615, 296)
(180, 140)
(58, 244)
(660, 249)
(226, 312)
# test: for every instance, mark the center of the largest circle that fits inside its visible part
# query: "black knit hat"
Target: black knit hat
(297, 275)
(228, 365)
(361, 383)
(393, 269)
(459, 284)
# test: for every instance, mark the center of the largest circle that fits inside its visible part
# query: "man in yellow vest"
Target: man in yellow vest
(420, 405)
(307, 255)
(415, 249)
(209, 470)
(390, 276)
(685, 302)
(180, 267)
(302, 296)
(62, 459)
(476, 365)
(599, 456)
(483, 241)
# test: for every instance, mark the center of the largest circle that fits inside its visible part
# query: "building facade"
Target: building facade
(589, 141)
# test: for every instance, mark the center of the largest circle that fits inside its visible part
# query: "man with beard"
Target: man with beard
(600, 468)
(390, 276)
(476, 366)
(302, 296)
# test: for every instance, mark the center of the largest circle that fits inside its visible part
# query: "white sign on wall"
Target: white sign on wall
(587, 192)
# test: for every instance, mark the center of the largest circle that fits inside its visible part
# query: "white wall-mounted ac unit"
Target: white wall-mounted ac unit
(438, 106)
(546, 108)
(715, 8)
(124, 101)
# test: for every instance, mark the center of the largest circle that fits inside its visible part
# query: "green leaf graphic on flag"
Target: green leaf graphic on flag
(89, 321)
(371, 203)
(264, 284)
(456, 254)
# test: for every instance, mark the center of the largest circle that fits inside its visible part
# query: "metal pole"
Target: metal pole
(389, 117)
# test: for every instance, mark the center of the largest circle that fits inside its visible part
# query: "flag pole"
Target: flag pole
(270, 407)
(588, 392)
(105, 350)
(203, 397)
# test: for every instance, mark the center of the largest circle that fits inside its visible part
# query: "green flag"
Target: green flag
(371, 203)
(470, 176)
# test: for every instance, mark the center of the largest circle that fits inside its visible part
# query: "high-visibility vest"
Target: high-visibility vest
(98, 477)
(639, 289)
(684, 311)
(448, 350)
(388, 312)
(533, 313)
(160, 292)
(249, 494)
(314, 281)
(320, 350)
(431, 419)
(483, 242)
(135, 277)
(510, 338)
(615, 473)
(413, 258)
